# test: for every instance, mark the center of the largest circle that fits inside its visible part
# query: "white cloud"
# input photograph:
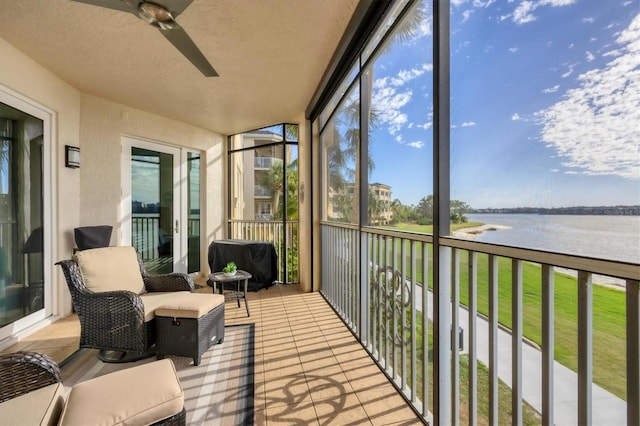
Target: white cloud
(513, 49)
(592, 128)
(389, 97)
(516, 117)
(590, 56)
(588, 20)
(416, 144)
(426, 125)
(468, 124)
(551, 89)
(567, 73)
(524, 12)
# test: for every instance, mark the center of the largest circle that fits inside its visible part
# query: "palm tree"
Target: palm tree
(272, 180)
(343, 162)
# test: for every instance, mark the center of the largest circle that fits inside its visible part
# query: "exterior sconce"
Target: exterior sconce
(71, 157)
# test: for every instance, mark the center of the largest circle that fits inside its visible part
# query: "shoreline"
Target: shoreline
(472, 232)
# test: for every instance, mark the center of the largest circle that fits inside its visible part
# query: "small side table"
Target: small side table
(237, 294)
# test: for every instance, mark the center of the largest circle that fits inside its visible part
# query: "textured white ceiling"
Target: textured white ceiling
(270, 55)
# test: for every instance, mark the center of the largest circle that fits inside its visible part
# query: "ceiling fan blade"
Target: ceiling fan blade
(130, 6)
(179, 38)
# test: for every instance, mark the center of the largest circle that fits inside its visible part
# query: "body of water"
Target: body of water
(603, 237)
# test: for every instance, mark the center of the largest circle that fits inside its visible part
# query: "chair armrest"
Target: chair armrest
(23, 372)
(168, 282)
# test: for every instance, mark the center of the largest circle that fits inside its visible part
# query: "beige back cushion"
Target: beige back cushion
(111, 269)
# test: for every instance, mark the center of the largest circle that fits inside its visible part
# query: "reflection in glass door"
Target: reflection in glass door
(155, 228)
(22, 290)
(193, 206)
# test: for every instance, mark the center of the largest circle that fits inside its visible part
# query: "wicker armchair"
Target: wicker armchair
(24, 372)
(115, 320)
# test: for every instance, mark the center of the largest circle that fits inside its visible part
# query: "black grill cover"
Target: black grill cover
(258, 258)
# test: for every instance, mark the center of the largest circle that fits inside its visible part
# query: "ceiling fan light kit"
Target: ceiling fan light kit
(162, 15)
(156, 16)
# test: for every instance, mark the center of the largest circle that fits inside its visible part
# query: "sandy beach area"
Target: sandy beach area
(474, 231)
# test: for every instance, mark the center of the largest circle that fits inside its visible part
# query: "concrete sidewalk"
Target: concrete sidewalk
(607, 409)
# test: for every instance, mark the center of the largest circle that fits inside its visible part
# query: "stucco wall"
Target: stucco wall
(102, 125)
(91, 194)
(24, 76)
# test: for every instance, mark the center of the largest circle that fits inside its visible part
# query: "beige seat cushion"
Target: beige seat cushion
(139, 395)
(111, 269)
(152, 301)
(39, 407)
(190, 305)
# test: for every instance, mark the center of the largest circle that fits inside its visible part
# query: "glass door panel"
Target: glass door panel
(155, 201)
(22, 291)
(193, 206)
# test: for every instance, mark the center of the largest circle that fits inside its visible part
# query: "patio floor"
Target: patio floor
(309, 369)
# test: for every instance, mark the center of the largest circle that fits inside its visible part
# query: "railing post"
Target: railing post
(493, 340)
(547, 343)
(455, 324)
(472, 332)
(633, 353)
(516, 342)
(585, 344)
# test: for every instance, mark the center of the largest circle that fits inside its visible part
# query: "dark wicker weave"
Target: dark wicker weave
(114, 320)
(190, 337)
(23, 372)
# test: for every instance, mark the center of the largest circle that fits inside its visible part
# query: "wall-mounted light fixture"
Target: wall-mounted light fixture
(71, 156)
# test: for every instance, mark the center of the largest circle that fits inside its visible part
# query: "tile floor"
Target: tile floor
(309, 369)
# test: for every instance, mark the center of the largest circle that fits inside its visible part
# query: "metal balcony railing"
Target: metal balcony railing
(387, 300)
(265, 162)
(272, 231)
(147, 238)
(261, 191)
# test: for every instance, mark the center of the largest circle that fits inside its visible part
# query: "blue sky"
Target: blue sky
(545, 105)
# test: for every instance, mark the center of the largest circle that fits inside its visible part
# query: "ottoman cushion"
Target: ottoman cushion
(39, 407)
(189, 305)
(143, 394)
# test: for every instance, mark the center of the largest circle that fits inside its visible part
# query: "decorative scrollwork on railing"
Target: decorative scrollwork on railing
(391, 296)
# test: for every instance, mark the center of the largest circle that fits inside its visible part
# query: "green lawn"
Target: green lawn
(428, 229)
(609, 341)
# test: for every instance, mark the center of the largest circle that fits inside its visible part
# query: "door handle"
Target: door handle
(177, 226)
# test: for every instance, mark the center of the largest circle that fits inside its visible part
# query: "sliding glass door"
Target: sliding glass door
(25, 286)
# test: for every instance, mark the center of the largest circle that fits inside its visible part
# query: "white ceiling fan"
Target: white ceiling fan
(161, 14)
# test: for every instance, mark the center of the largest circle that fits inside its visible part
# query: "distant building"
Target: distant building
(250, 200)
(381, 213)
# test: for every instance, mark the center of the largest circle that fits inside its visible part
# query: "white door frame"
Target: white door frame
(49, 179)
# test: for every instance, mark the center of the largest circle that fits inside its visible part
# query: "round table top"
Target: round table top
(221, 277)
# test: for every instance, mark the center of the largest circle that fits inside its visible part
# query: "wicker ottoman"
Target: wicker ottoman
(189, 325)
